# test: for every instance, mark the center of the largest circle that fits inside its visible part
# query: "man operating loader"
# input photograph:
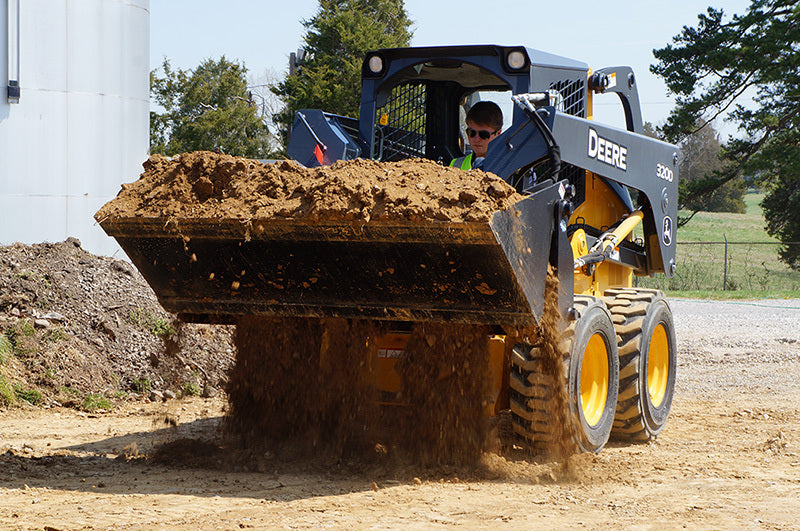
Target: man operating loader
(484, 124)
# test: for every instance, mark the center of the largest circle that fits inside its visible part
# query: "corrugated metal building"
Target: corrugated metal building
(74, 114)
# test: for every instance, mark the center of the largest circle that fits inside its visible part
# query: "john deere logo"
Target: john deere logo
(667, 237)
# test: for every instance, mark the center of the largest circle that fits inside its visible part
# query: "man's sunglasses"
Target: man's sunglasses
(485, 135)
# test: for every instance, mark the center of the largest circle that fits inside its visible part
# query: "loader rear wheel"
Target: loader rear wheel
(576, 403)
(648, 361)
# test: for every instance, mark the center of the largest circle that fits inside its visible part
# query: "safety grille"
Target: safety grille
(400, 124)
(574, 94)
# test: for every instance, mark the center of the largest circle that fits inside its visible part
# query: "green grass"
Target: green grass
(31, 396)
(93, 402)
(7, 395)
(158, 326)
(55, 335)
(143, 386)
(6, 348)
(753, 269)
(192, 389)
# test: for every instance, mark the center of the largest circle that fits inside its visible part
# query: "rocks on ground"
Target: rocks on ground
(83, 330)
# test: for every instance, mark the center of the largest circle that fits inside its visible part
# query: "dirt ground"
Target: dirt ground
(729, 458)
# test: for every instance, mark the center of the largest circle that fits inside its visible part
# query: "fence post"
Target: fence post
(725, 270)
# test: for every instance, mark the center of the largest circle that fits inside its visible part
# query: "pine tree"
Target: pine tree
(711, 67)
(337, 38)
(206, 109)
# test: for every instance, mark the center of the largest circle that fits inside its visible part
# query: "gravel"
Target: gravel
(737, 347)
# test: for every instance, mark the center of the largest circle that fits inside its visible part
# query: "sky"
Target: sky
(600, 33)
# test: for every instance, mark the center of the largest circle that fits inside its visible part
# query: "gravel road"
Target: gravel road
(730, 346)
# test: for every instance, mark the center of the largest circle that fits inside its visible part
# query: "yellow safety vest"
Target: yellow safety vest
(465, 163)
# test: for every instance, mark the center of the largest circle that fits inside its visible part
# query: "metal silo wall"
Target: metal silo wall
(81, 126)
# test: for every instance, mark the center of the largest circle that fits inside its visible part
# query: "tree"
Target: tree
(206, 109)
(700, 158)
(337, 38)
(712, 68)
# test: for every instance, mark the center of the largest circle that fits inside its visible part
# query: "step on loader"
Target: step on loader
(599, 208)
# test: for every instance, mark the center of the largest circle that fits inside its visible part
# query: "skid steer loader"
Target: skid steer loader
(578, 219)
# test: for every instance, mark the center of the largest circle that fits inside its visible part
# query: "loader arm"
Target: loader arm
(639, 162)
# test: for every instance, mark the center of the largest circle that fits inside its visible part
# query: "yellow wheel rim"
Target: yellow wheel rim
(658, 365)
(594, 380)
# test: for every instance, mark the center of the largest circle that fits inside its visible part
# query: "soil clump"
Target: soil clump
(211, 185)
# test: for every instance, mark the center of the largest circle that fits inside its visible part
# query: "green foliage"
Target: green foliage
(205, 109)
(21, 328)
(7, 395)
(55, 335)
(6, 348)
(336, 40)
(68, 391)
(710, 67)
(143, 386)
(782, 204)
(700, 159)
(192, 389)
(158, 326)
(93, 402)
(31, 396)
(21, 337)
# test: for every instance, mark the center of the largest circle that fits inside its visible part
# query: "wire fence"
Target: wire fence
(752, 266)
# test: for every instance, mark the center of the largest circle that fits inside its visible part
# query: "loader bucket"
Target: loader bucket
(213, 270)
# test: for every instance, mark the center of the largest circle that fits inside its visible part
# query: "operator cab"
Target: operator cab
(414, 101)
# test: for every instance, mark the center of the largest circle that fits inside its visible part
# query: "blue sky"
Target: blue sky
(599, 32)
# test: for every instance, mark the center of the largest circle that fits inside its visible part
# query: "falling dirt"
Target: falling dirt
(311, 385)
(210, 185)
(304, 380)
(551, 326)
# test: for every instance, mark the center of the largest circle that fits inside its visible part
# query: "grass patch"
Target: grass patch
(7, 395)
(93, 402)
(158, 326)
(192, 389)
(748, 268)
(143, 386)
(68, 391)
(22, 338)
(31, 396)
(55, 335)
(6, 348)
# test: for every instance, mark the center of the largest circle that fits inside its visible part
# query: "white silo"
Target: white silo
(74, 114)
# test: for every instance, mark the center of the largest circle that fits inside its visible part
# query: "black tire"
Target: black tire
(648, 361)
(588, 342)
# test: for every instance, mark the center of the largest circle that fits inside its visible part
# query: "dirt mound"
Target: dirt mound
(210, 185)
(84, 330)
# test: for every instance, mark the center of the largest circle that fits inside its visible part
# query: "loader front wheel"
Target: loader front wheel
(593, 374)
(648, 361)
(574, 404)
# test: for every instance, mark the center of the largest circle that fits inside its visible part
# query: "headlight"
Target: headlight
(375, 64)
(516, 60)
